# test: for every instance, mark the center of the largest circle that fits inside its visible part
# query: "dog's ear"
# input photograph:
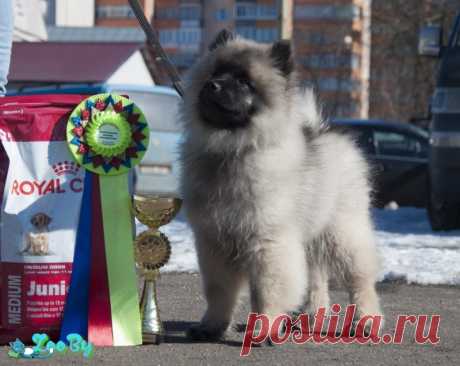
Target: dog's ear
(221, 39)
(281, 54)
(47, 220)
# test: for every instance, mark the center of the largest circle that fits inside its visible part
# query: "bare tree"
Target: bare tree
(402, 82)
(327, 66)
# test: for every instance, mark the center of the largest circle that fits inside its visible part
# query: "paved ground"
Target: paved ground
(182, 304)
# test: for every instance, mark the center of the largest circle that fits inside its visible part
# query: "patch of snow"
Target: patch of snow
(183, 255)
(408, 248)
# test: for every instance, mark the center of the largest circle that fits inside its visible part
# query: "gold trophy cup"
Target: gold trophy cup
(152, 251)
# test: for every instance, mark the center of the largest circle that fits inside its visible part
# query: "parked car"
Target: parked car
(444, 165)
(158, 173)
(398, 153)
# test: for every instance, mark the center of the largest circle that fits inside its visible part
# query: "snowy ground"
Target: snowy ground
(412, 251)
(409, 249)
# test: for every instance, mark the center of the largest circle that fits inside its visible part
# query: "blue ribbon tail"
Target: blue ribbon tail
(76, 308)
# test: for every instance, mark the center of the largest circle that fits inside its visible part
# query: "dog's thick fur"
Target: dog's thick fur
(279, 203)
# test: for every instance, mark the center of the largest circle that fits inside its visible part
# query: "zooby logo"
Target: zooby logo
(44, 348)
(364, 330)
(51, 186)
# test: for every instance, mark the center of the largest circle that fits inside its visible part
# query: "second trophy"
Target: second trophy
(152, 251)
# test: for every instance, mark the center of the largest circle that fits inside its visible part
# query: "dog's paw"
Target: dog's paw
(202, 332)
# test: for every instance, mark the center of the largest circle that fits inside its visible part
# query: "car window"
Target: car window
(398, 144)
(161, 110)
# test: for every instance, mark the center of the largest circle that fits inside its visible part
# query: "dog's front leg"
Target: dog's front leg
(28, 244)
(278, 276)
(221, 283)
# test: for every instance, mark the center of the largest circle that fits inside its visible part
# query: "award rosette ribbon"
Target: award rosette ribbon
(108, 135)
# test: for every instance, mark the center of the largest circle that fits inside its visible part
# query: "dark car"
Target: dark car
(398, 153)
(444, 165)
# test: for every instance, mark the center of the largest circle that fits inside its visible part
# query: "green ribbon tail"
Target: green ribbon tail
(118, 234)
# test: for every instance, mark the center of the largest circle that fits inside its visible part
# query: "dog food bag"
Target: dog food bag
(42, 189)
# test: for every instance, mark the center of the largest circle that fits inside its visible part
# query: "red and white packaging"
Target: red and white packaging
(41, 190)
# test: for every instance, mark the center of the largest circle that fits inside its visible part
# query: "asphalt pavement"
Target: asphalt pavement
(181, 303)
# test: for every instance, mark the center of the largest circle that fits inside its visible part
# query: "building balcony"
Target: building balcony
(253, 11)
(186, 12)
(327, 12)
(181, 38)
(259, 34)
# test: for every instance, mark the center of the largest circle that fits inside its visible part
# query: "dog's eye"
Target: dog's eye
(241, 81)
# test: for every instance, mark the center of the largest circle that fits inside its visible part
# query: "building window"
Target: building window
(352, 109)
(328, 84)
(221, 14)
(189, 12)
(266, 35)
(183, 12)
(337, 84)
(166, 13)
(267, 11)
(346, 12)
(248, 10)
(246, 32)
(330, 61)
(166, 36)
(317, 38)
(114, 11)
(181, 38)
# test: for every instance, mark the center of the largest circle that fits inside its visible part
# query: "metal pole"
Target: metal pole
(161, 55)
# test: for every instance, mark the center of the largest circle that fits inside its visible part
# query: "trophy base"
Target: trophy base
(151, 338)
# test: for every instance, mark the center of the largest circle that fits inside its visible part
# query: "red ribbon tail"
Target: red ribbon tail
(99, 313)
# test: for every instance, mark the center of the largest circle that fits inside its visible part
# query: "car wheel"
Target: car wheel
(442, 216)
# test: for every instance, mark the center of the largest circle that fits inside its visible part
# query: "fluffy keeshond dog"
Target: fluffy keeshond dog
(275, 198)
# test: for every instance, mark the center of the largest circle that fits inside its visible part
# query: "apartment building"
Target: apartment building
(185, 27)
(329, 36)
